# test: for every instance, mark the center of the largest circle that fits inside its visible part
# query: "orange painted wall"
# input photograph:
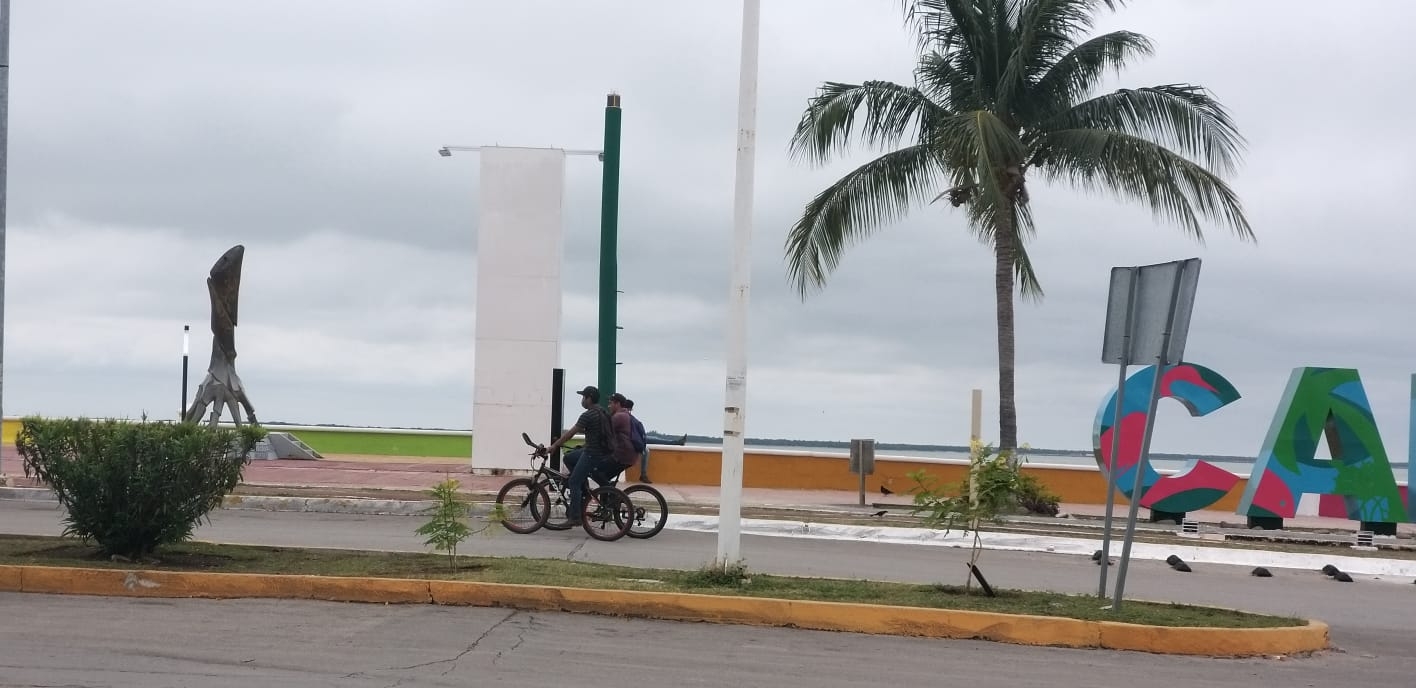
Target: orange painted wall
(790, 471)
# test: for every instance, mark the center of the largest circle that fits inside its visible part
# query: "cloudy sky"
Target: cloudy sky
(148, 136)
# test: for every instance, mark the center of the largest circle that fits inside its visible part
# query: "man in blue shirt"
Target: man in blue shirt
(637, 438)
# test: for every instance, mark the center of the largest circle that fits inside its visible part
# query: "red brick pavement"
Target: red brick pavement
(367, 474)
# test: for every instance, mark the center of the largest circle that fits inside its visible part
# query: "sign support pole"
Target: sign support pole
(1162, 359)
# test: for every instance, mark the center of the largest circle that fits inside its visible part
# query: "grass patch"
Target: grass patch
(198, 556)
(387, 444)
(393, 444)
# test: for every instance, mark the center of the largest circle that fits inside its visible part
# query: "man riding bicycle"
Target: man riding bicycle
(604, 434)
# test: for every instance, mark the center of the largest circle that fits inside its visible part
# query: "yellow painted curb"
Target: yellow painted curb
(827, 616)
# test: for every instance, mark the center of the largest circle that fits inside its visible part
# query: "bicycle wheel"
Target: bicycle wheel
(524, 506)
(608, 514)
(651, 512)
(557, 506)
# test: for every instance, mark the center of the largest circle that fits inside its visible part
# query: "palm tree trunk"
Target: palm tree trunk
(1005, 253)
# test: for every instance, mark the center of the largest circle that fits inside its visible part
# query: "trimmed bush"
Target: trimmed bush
(132, 487)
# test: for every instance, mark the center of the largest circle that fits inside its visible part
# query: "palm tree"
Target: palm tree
(1004, 92)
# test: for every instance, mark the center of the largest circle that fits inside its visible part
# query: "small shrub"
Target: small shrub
(717, 576)
(445, 528)
(1002, 489)
(1035, 497)
(132, 487)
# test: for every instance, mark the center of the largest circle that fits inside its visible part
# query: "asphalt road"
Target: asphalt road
(150, 643)
(1371, 620)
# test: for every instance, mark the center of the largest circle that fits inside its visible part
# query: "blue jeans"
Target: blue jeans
(582, 463)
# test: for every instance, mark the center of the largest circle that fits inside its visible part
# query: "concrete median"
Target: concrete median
(827, 616)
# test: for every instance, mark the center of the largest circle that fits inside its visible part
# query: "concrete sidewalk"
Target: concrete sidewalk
(349, 475)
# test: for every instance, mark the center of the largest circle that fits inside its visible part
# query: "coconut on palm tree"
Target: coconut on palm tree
(1004, 93)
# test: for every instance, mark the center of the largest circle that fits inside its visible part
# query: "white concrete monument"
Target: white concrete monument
(519, 250)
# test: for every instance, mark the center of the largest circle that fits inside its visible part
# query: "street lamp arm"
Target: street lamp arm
(447, 151)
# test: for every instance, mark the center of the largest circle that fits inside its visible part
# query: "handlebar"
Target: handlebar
(540, 448)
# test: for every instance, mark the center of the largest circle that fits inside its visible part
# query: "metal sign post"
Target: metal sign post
(1128, 309)
(862, 462)
(1147, 320)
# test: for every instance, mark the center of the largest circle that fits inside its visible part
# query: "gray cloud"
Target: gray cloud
(147, 137)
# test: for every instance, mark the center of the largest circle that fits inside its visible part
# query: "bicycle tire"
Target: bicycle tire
(642, 511)
(602, 505)
(536, 499)
(557, 505)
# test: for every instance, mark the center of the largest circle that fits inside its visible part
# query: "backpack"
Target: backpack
(636, 435)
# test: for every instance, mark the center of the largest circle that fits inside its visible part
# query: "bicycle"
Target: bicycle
(608, 513)
(650, 514)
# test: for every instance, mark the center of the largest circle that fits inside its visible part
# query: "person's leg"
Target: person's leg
(578, 476)
(644, 465)
(606, 470)
(571, 458)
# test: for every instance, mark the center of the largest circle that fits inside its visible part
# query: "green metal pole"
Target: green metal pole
(609, 248)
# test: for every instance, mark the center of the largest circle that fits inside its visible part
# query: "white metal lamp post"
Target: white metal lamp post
(735, 396)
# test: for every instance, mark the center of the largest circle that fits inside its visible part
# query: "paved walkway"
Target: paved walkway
(358, 474)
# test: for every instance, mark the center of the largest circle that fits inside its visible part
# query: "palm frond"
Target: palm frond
(1049, 29)
(856, 205)
(1140, 169)
(984, 155)
(999, 54)
(1028, 283)
(1181, 117)
(990, 150)
(983, 220)
(947, 79)
(1075, 75)
(890, 110)
(946, 25)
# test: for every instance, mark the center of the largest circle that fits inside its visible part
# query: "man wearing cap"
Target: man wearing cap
(595, 453)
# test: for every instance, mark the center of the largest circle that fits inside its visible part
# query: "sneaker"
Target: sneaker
(645, 479)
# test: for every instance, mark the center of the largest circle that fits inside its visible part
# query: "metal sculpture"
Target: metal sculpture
(222, 386)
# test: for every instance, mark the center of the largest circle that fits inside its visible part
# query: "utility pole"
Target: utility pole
(609, 248)
(4, 181)
(735, 394)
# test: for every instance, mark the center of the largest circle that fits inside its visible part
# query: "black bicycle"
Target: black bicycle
(542, 500)
(651, 510)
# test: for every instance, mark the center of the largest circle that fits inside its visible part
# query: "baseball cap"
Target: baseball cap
(590, 391)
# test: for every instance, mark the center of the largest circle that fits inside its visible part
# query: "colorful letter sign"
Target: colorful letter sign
(1200, 484)
(1322, 402)
(1319, 403)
